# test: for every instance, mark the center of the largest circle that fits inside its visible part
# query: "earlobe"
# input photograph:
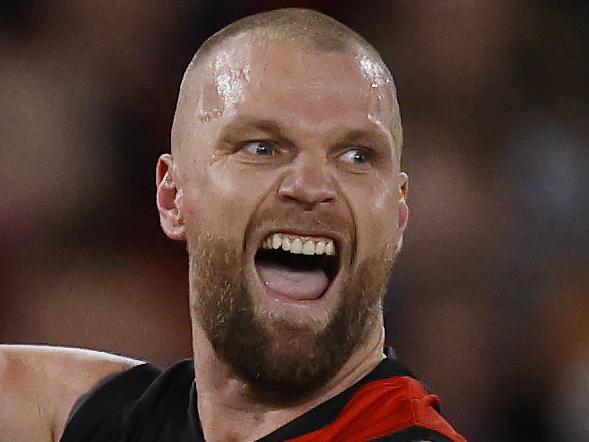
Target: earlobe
(169, 199)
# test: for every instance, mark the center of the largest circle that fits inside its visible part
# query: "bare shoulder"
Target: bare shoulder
(39, 385)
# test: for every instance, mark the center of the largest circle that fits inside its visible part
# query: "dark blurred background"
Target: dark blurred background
(489, 300)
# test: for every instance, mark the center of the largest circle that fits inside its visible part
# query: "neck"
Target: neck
(227, 410)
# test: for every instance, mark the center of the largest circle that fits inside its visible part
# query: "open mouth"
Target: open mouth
(295, 267)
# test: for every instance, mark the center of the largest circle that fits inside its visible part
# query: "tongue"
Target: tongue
(296, 284)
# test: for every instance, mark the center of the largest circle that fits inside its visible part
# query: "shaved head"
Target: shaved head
(309, 30)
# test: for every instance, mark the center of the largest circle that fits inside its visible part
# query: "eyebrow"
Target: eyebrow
(243, 124)
(376, 135)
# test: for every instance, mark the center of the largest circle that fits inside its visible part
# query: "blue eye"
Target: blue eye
(356, 156)
(260, 148)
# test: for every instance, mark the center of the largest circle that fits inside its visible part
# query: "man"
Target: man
(284, 180)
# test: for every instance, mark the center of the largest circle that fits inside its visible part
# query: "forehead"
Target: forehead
(295, 83)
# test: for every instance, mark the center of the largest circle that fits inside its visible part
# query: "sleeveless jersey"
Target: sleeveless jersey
(146, 404)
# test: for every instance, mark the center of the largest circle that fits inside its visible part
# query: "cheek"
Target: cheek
(223, 201)
(374, 209)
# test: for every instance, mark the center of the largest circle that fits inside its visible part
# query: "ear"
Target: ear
(403, 208)
(169, 199)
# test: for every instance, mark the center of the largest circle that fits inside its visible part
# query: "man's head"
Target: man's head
(285, 182)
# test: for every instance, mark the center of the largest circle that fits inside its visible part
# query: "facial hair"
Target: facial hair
(280, 359)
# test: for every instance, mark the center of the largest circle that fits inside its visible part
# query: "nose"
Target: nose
(307, 185)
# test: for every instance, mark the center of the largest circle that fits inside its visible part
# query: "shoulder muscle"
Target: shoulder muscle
(39, 385)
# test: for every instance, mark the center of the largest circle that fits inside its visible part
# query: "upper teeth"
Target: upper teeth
(299, 244)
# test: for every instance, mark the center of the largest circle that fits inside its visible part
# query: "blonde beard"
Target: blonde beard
(277, 355)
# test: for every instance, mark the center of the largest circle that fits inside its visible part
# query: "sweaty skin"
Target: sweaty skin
(384, 100)
(315, 108)
(224, 90)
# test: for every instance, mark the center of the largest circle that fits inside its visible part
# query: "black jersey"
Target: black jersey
(146, 404)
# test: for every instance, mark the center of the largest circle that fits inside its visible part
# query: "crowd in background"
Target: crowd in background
(489, 299)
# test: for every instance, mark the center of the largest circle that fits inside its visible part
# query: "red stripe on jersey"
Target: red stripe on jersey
(382, 408)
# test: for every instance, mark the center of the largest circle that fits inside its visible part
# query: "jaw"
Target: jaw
(275, 344)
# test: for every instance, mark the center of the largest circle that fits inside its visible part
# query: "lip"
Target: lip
(334, 285)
